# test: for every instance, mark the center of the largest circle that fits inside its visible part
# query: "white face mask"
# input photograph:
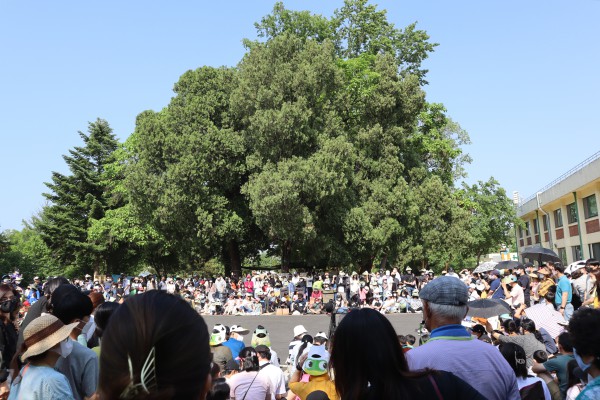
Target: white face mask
(89, 329)
(65, 348)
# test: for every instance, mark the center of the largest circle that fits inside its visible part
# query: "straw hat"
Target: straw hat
(43, 333)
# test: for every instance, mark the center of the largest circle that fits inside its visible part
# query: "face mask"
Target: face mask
(583, 366)
(88, 329)
(66, 347)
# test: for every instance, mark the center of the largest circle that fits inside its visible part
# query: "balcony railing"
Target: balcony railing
(564, 176)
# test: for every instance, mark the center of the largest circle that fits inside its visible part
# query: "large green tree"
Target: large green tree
(188, 170)
(75, 199)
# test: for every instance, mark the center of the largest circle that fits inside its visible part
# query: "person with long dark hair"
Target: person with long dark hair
(530, 387)
(249, 384)
(368, 363)
(155, 347)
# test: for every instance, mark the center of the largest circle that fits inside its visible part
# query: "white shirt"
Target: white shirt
(244, 384)
(276, 376)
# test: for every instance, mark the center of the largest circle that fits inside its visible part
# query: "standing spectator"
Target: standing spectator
(451, 347)
(515, 296)
(249, 384)
(9, 310)
(524, 282)
(80, 366)
(496, 291)
(564, 292)
(42, 305)
(585, 336)
(273, 373)
(45, 341)
(546, 283)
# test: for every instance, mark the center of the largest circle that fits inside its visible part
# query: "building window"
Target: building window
(590, 208)
(545, 223)
(558, 218)
(535, 226)
(520, 233)
(572, 215)
(562, 253)
(594, 250)
(576, 252)
(527, 228)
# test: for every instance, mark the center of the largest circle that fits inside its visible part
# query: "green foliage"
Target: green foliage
(493, 216)
(26, 251)
(77, 199)
(318, 149)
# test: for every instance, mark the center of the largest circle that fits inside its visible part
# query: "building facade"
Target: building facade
(563, 216)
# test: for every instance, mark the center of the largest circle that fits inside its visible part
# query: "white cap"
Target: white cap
(321, 335)
(299, 330)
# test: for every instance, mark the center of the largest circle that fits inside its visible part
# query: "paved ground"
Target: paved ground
(281, 327)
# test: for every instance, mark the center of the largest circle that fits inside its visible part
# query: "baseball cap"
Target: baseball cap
(495, 272)
(321, 335)
(446, 290)
(239, 329)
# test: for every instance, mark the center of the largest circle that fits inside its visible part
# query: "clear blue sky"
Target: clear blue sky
(522, 77)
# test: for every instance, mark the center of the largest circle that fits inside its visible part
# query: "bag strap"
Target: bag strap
(435, 387)
(247, 390)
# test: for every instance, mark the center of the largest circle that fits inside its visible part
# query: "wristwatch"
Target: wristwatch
(562, 308)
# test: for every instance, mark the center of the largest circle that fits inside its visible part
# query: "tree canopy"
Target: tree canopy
(319, 147)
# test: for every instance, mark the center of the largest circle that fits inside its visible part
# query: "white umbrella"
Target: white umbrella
(484, 267)
(546, 317)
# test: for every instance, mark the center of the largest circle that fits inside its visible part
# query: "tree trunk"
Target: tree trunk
(235, 260)
(286, 256)
(383, 263)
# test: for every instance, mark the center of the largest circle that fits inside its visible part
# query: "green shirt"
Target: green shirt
(559, 365)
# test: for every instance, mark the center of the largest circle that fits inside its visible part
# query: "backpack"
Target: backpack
(535, 391)
(575, 299)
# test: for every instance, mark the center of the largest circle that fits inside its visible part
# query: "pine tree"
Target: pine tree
(76, 198)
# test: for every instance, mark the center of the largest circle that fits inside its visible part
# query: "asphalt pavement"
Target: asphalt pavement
(281, 327)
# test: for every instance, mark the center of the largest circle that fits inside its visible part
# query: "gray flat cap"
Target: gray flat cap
(446, 290)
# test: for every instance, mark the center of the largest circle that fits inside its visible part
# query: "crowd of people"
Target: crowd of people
(144, 337)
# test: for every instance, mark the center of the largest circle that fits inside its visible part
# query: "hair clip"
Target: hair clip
(147, 377)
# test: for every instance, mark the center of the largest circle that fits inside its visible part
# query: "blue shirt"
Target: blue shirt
(235, 346)
(496, 287)
(455, 330)
(40, 382)
(563, 285)
(477, 363)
